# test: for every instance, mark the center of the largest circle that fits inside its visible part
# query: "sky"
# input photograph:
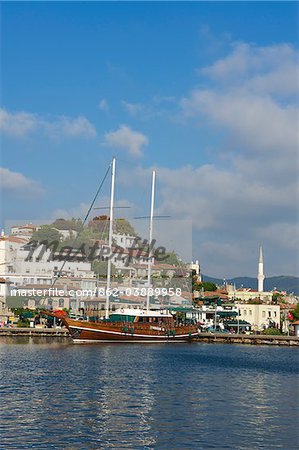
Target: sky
(206, 93)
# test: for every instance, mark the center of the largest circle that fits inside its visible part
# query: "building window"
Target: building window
(275, 314)
(250, 312)
(245, 312)
(269, 313)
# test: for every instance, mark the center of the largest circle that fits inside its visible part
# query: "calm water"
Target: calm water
(173, 396)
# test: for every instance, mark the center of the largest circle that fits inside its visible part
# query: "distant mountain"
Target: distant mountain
(281, 283)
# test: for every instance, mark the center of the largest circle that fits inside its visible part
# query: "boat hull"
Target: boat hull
(86, 335)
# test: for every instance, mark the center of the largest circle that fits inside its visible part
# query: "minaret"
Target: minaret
(260, 276)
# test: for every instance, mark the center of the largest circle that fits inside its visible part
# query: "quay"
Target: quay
(211, 338)
(252, 339)
(37, 332)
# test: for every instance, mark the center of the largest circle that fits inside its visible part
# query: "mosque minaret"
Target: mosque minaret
(260, 276)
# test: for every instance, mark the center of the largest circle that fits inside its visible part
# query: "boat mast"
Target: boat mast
(149, 271)
(110, 237)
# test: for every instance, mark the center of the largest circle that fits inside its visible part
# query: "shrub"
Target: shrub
(273, 331)
(23, 323)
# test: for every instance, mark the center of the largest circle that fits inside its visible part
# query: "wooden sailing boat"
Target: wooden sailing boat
(127, 325)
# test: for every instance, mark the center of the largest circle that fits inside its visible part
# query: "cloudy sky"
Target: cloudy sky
(205, 93)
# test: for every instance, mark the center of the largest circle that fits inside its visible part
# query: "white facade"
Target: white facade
(66, 234)
(196, 267)
(124, 240)
(24, 231)
(247, 294)
(19, 266)
(260, 316)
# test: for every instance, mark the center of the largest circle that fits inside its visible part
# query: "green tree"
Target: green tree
(46, 233)
(277, 297)
(208, 286)
(170, 258)
(123, 226)
(100, 268)
(295, 313)
(85, 238)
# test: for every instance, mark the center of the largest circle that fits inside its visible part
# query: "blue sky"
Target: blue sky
(204, 92)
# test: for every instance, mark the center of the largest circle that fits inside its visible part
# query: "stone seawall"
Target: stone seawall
(252, 339)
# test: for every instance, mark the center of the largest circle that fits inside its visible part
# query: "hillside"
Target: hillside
(282, 282)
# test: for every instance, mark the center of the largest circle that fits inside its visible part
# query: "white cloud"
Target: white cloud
(20, 124)
(103, 105)
(127, 139)
(132, 108)
(17, 124)
(249, 100)
(18, 184)
(258, 122)
(77, 212)
(232, 213)
(69, 127)
(271, 69)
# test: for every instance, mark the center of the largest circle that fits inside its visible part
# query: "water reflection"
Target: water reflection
(144, 397)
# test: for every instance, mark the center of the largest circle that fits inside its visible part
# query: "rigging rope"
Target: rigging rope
(84, 221)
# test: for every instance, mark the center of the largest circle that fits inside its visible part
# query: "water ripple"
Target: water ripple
(147, 397)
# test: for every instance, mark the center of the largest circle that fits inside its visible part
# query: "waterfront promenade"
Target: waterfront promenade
(223, 338)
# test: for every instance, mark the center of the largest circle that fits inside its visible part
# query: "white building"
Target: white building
(196, 267)
(260, 316)
(20, 265)
(124, 240)
(24, 231)
(246, 294)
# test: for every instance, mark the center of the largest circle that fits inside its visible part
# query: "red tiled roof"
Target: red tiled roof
(15, 239)
(132, 297)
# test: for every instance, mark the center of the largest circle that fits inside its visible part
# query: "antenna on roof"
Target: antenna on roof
(115, 207)
(148, 217)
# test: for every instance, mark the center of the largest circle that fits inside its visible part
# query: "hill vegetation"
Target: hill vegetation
(281, 283)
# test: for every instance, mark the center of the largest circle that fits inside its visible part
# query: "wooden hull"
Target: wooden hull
(88, 332)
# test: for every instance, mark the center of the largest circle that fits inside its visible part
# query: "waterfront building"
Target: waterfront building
(296, 327)
(260, 316)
